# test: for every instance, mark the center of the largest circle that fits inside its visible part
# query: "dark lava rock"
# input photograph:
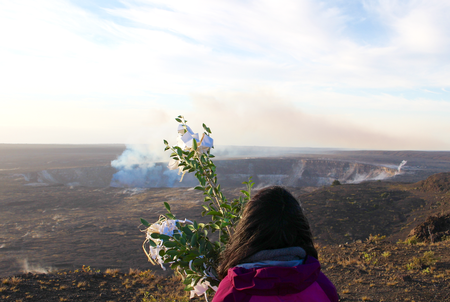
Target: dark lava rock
(436, 183)
(406, 278)
(433, 229)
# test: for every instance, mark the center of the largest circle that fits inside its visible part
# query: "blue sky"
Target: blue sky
(371, 74)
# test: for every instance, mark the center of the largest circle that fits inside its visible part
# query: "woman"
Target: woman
(271, 256)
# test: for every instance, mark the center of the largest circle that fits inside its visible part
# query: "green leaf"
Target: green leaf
(206, 129)
(152, 243)
(233, 216)
(194, 144)
(214, 213)
(167, 206)
(190, 154)
(223, 238)
(170, 216)
(194, 239)
(225, 206)
(170, 244)
(210, 191)
(178, 120)
(145, 222)
(166, 143)
(155, 235)
(166, 148)
(198, 261)
(199, 188)
(202, 247)
(172, 252)
(191, 256)
(164, 237)
(187, 231)
(197, 279)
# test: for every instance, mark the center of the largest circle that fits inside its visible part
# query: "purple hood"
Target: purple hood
(303, 280)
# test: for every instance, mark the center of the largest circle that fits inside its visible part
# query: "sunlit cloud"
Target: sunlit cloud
(265, 117)
(369, 69)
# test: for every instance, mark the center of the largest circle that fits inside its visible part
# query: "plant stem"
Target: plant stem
(212, 184)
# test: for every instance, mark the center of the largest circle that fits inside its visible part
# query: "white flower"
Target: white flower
(165, 227)
(154, 254)
(201, 288)
(185, 141)
(173, 164)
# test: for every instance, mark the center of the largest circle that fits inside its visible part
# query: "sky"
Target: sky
(368, 74)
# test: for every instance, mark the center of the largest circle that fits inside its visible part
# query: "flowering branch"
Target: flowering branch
(185, 244)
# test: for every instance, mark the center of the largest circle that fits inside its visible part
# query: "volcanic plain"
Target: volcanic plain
(81, 240)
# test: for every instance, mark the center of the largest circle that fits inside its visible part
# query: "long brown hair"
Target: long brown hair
(272, 219)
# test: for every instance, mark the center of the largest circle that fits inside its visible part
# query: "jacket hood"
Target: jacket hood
(275, 280)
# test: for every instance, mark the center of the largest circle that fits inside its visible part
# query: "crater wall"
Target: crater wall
(295, 172)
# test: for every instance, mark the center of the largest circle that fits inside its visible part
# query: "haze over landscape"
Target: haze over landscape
(344, 103)
(341, 74)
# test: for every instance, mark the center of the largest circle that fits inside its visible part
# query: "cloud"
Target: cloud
(57, 47)
(106, 75)
(263, 118)
(73, 121)
(417, 26)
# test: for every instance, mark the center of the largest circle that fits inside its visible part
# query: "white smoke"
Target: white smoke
(133, 191)
(136, 155)
(139, 167)
(399, 169)
(222, 151)
(37, 269)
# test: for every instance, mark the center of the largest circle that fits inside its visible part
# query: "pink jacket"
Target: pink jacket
(304, 282)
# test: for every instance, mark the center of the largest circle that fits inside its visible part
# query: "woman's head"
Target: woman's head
(272, 219)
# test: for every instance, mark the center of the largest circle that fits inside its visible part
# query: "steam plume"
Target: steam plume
(401, 166)
(138, 167)
(27, 268)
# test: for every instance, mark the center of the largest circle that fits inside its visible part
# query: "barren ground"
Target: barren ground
(58, 229)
